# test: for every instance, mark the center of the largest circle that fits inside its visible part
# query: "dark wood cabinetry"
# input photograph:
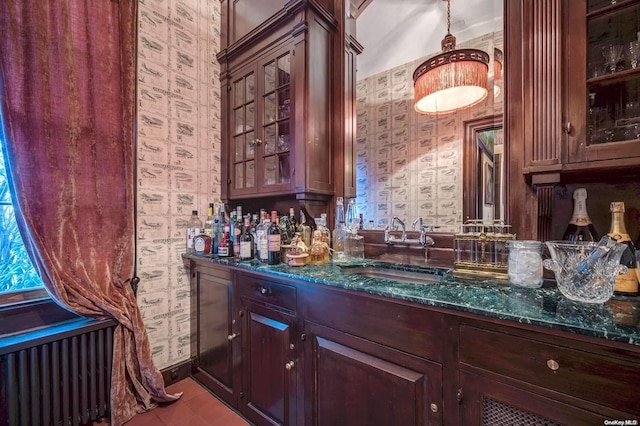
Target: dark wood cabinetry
(216, 342)
(366, 362)
(279, 91)
(572, 116)
(295, 353)
(509, 376)
(270, 358)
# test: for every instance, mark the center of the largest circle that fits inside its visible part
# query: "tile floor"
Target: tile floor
(197, 406)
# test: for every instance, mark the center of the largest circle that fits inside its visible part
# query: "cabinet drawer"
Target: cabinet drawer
(604, 380)
(267, 292)
(407, 328)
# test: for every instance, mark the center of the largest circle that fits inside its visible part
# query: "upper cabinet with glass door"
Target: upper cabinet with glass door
(609, 104)
(260, 123)
(278, 93)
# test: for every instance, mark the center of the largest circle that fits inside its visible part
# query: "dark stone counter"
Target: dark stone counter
(616, 320)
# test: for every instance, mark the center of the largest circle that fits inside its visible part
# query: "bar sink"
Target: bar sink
(386, 272)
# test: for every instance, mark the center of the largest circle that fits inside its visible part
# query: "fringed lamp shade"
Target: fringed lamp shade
(451, 81)
(497, 72)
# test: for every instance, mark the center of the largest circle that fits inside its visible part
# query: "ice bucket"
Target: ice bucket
(585, 271)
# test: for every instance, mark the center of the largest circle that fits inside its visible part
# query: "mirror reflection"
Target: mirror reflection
(408, 164)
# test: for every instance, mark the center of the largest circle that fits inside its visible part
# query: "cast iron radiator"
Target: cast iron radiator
(61, 379)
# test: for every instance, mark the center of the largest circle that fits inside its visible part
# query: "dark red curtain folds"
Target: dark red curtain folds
(67, 76)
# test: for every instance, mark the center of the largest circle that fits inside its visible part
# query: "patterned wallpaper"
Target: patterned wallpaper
(410, 165)
(178, 157)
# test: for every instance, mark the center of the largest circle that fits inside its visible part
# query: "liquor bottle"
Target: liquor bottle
(304, 230)
(194, 227)
(209, 227)
(253, 229)
(202, 244)
(222, 221)
(225, 248)
(323, 228)
(293, 219)
(319, 251)
(208, 223)
(263, 242)
(339, 232)
(246, 241)
(626, 284)
(273, 240)
(237, 231)
(580, 227)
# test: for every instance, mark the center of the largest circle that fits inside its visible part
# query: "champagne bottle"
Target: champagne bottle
(580, 227)
(626, 284)
(194, 227)
(273, 240)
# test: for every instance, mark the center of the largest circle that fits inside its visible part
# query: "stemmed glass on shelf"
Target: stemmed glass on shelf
(612, 56)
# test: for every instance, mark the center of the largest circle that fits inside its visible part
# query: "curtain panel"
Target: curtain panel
(67, 80)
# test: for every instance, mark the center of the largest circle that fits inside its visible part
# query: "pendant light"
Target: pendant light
(452, 80)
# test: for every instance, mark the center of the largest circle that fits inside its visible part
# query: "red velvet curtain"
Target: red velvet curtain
(67, 81)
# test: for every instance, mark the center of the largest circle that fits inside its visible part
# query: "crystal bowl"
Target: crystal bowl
(584, 272)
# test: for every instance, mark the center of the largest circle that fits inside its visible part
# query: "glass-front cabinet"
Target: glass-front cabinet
(260, 127)
(610, 99)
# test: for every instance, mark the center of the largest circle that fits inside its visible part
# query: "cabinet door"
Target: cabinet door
(488, 402)
(243, 138)
(352, 381)
(269, 352)
(276, 122)
(217, 332)
(603, 80)
(260, 128)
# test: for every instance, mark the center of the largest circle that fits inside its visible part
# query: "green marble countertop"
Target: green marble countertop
(616, 320)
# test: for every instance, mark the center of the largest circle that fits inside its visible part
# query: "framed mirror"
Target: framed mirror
(484, 169)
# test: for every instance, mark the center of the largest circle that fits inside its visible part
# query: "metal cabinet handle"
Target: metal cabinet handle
(553, 364)
(433, 407)
(258, 142)
(232, 336)
(265, 291)
(459, 395)
(289, 365)
(567, 127)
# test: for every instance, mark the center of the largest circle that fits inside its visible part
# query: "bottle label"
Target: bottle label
(245, 250)
(627, 283)
(191, 233)
(199, 245)
(263, 245)
(273, 242)
(223, 251)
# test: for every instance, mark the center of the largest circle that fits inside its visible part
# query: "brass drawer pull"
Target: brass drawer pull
(232, 336)
(289, 365)
(553, 365)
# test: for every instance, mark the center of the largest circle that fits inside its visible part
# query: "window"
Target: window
(16, 270)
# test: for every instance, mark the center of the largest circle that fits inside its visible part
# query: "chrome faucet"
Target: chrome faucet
(391, 239)
(424, 240)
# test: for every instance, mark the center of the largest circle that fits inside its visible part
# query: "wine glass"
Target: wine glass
(612, 55)
(634, 53)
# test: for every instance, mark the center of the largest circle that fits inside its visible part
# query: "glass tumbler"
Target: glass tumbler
(525, 263)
